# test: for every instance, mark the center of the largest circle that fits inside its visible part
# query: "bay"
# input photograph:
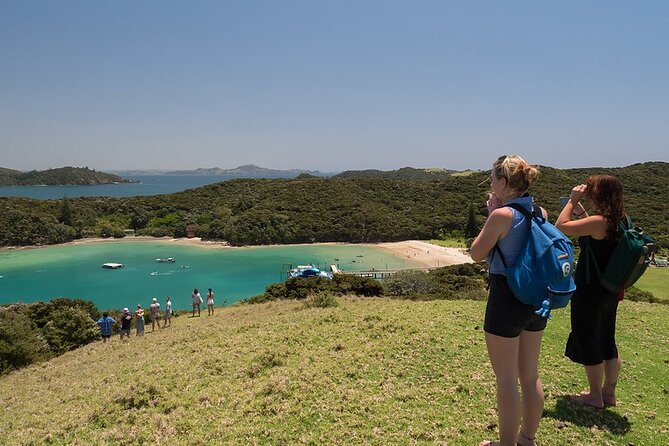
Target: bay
(75, 271)
(146, 185)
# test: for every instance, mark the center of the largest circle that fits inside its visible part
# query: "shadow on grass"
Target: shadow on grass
(568, 411)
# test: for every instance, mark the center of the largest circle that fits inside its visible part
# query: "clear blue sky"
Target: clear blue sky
(332, 85)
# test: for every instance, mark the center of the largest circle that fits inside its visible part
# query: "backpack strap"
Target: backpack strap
(536, 213)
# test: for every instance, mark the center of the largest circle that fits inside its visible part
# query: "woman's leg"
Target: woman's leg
(503, 354)
(530, 384)
(595, 375)
(611, 372)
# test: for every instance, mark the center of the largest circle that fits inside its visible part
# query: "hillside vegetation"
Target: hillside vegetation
(79, 176)
(369, 371)
(308, 209)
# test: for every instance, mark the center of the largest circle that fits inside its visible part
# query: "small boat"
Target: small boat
(167, 260)
(112, 265)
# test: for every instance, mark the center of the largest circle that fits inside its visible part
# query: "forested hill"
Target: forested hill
(307, 209)
(79, 176)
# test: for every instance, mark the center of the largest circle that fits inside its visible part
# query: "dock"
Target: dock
(378, 273)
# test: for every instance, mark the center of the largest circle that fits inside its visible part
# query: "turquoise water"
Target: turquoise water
(75, 271)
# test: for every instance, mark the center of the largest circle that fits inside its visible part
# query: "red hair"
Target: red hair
(606, 195)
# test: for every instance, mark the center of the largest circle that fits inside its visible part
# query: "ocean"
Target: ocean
(233, 273)
(146, 185)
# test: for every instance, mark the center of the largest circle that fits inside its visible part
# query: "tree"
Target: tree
(471, 228)
(65, 216)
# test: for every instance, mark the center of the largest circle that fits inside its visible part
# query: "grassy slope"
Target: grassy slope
(367, 372)
(655, 280)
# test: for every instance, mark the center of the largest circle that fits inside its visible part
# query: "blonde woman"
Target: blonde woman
(513, 332)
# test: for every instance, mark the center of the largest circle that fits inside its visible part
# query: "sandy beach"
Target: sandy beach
(426, 253)
(421, 252)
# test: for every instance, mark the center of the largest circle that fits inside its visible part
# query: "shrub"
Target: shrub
(410, 284)
(20, 343)
(68, 329)
(360, 286)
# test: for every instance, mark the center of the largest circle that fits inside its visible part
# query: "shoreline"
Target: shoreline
(420, 252)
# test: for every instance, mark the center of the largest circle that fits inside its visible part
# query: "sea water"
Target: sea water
(144, 185)
(75, 271)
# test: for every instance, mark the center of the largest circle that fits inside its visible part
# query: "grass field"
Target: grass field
(656, 281)
(369, 372)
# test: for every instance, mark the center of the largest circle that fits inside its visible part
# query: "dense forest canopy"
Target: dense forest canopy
(309, 209)
(62, 176)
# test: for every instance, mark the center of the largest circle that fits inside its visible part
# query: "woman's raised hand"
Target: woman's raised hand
(493, 202)
(577, 193)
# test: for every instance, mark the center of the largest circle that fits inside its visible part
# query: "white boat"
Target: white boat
(112, 265)
(167, 260)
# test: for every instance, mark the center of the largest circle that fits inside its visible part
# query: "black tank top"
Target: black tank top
(602, 250)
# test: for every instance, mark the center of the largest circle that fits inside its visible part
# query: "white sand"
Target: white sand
(427, 254)
(421, 252)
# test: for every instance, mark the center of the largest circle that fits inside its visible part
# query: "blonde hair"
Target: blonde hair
(519, 175)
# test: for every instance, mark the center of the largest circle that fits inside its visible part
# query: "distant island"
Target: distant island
(63, 176)
(244, 171)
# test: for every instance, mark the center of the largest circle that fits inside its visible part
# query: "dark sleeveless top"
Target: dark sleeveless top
(584, 267)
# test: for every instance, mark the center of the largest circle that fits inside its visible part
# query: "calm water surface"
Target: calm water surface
(75, 270)
(147, 185)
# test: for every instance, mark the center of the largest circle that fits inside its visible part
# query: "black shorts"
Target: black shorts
(505, 315)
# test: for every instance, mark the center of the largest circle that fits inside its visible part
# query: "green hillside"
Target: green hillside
(307, 209)
(80, 176)
(370, 371)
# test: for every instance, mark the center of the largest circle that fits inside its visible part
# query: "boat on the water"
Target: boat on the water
(308, 271)
(112, 265)
(166, 260)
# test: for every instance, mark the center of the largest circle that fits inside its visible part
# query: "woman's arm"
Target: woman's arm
(594, 226)
(496, 226)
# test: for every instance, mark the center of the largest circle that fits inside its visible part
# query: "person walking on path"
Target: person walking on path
(139, 320)
(210, 302)
(105, 323)
(592, 341)
(197, 301)
(168, 312)
(155, 314)
(513, 332)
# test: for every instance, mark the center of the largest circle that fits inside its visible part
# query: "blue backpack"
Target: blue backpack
(543, 275)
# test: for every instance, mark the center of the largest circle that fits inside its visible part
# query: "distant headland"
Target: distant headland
(63, 176)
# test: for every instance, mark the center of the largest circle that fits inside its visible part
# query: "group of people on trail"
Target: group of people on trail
(513, 331)
(106, 322)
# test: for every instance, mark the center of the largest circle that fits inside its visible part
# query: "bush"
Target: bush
(410, 284)
(69, 328)
(20, 343)
(360, 286)
(303, 287)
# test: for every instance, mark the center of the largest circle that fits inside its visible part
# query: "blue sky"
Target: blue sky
(332, 85)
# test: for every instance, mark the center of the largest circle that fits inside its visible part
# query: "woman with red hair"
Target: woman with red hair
(592, 342)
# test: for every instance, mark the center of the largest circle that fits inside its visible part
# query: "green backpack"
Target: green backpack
(629, 260)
